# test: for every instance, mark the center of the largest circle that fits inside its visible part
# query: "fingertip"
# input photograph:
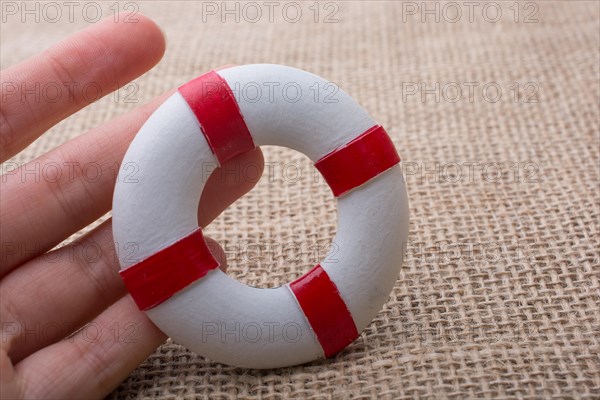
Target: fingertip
(251, 166)
(133, 43)
(152, 34)
(218, 253)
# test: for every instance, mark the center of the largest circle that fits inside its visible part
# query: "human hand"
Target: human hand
(49, 298)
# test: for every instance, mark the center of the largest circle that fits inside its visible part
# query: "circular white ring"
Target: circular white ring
(156, 200)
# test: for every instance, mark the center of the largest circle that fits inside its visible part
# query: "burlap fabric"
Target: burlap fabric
(497, 124)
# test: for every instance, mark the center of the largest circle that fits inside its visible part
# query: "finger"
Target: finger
(69, 200)
(92, 362)
(11, 386)
(217, 251)
(37, 306)
(50, 297)
(66, 198)
(228, 183)
(79, 70)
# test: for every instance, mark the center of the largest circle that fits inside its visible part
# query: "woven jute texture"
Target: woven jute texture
(496, 118)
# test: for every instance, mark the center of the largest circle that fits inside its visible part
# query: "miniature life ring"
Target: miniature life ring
(166, 264)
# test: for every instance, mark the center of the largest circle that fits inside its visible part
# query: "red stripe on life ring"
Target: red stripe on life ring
(325, 310)
(221, 121)
(358, 161)
(160, 276)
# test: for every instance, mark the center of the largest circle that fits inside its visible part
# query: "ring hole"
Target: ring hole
(283, 227)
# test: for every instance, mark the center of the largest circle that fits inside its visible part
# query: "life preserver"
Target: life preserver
(166, 264)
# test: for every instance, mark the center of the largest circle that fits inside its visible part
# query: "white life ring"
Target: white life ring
(173, 277)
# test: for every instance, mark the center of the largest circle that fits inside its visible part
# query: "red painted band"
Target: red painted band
(358, 161)
(325, 310)
(160, 276)
(221, 121)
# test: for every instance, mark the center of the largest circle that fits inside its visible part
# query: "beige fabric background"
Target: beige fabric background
(499, 294)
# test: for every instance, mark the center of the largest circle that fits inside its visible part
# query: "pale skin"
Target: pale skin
(67, 290)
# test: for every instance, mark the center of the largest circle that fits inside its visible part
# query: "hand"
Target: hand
(51, 301)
